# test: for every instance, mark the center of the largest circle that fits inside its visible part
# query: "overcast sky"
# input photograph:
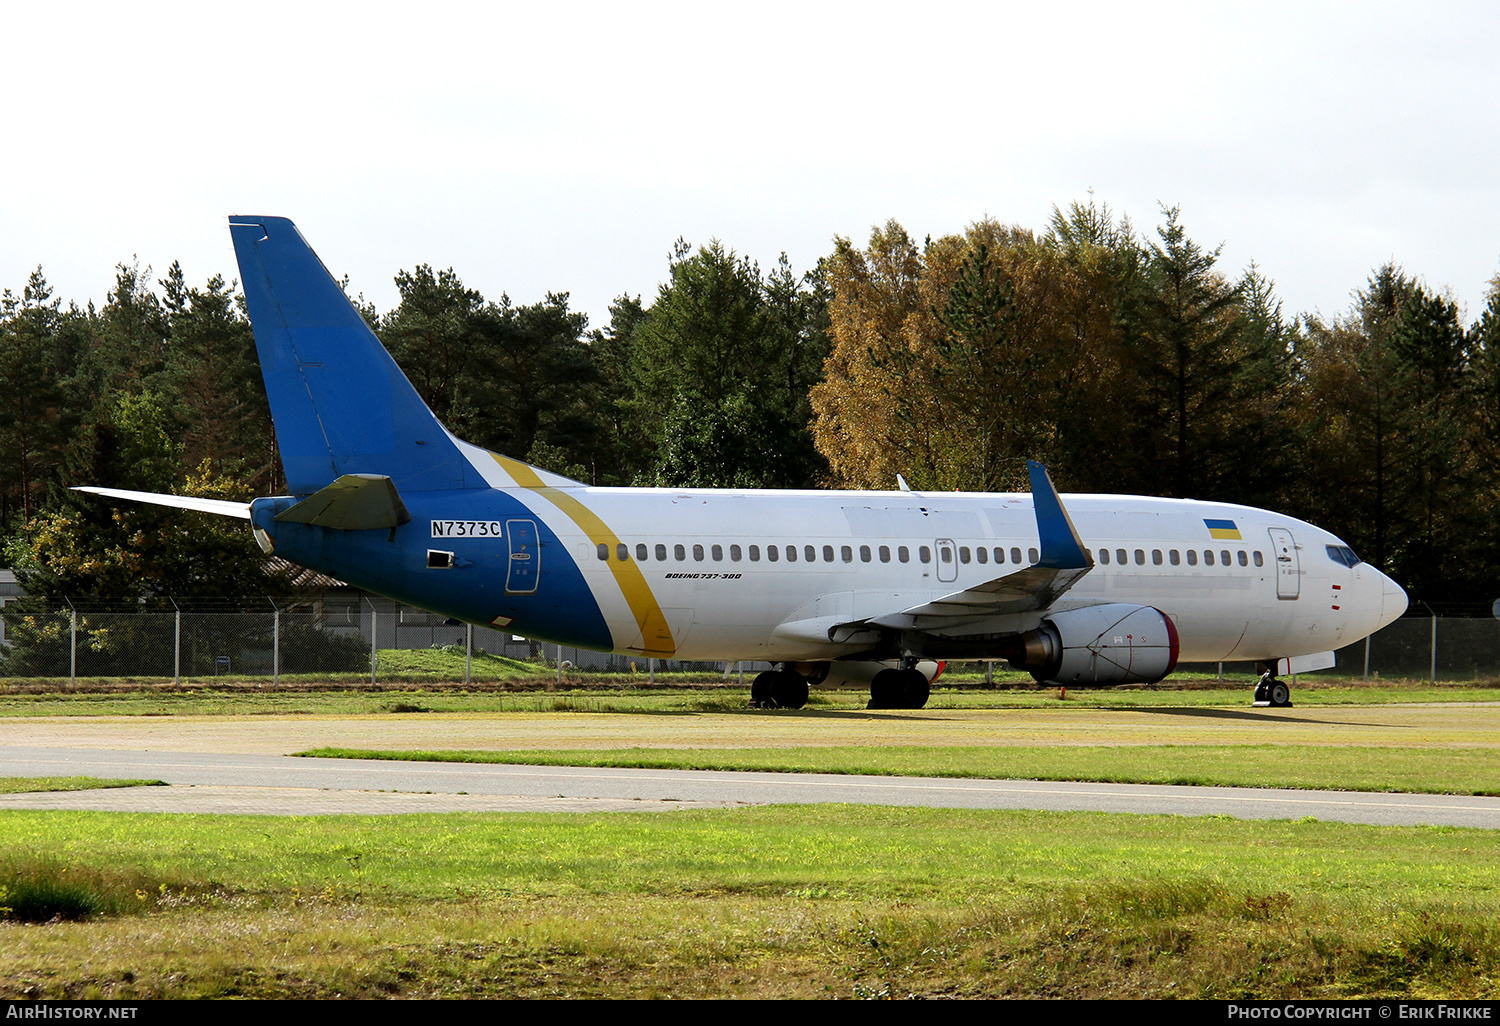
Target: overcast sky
(565, 146)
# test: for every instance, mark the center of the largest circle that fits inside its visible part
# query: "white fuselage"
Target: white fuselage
(1266, 589)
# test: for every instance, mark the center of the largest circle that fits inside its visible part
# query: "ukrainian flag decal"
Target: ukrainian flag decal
(1224, 530)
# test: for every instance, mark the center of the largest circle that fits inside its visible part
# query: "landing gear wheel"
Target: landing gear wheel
(790, 690)
(899, 689)
(763, 690)
(778, 689)
(1280, 696)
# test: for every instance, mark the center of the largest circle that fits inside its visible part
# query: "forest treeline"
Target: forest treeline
(1126, 361)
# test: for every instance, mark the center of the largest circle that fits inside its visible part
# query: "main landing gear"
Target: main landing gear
(1271, 692)
(906, 688)
(778, 689)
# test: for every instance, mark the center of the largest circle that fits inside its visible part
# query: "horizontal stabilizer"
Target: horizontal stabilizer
(218, 507)
(355, 502)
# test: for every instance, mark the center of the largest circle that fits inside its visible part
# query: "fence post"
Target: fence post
(72, 645)
(989, 673)
(176, 644)
(275, 644)
(1433, 681)
(1367, 658)
(652, 664)
(373, 632)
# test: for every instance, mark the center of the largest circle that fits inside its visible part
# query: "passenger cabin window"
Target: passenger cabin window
(718, 553)
(903, 553)
(963, 553)
(640, 552)
(1175, 557)
(846, 553)
(924, 554)
(1034, 555)
(772, 553)
(622, 552)
(734, 553)
(755, 553)
(661, 553)
(1121, 557)
(885, 554)
(945, 554)
(791, 553)
(983, 554)
(1243, 560)
(1015, 555)
(1140, 557)
(1156, 557)
(679, 552)
(1192, 555)
(1259, 559)
(810, 554)
(865, 555)
(603, 551)
(1104, 557)
(698, 553)
(1208, 557)
(827, 554)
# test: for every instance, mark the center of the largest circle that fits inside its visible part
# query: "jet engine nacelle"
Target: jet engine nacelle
(1117, 643)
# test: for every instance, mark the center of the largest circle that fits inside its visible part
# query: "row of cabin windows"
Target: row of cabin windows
(868, 554)
(1225, 557)
(808, 553)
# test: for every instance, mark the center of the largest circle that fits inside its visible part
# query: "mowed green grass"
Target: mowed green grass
(627, 694)
(1471, 771)
(814, 901)
(27, 785)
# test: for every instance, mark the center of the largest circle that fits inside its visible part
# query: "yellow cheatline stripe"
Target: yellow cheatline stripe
(656, 634)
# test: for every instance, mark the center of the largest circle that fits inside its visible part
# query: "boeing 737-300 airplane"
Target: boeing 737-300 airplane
(836, 587)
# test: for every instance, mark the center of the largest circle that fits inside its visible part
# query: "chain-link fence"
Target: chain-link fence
(1420, 648)
(362, 638)
(365, 639)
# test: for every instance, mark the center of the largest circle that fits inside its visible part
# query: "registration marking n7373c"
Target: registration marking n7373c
(466, 529)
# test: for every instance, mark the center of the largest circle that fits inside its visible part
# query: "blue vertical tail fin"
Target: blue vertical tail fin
(339, 402)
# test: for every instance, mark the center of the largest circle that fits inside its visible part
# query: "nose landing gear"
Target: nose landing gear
(1270, 692)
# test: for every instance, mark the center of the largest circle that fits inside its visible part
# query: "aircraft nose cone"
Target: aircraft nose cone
(1393, 600)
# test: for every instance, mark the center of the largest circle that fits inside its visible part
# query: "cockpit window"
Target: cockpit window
(1342, 555)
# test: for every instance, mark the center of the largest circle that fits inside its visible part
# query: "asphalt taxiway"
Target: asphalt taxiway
(208, 782)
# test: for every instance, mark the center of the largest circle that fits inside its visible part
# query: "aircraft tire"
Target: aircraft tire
(763, 690)
(789, 690)
(899, 689)
(915, 690)
(885, 690)
(1279, 695)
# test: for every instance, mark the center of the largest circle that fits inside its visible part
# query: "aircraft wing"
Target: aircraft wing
(1063, 562)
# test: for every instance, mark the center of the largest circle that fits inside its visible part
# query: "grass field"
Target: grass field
(824, 901)
(821, 901)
